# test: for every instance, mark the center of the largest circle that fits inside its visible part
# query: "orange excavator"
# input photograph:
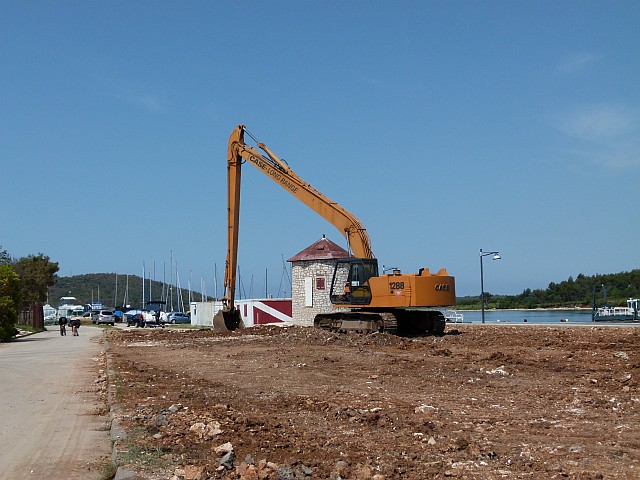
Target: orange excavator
(364, 300)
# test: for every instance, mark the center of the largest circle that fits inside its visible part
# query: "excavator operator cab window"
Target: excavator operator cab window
(350, 284)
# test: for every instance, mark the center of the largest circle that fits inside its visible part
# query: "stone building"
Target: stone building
(311, 273)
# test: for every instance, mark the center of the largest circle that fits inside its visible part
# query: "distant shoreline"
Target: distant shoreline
(552, 309)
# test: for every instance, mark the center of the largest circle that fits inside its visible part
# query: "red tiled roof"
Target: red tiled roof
(323, 249)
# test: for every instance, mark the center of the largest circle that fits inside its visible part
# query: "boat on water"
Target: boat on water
(630, 313)
(453, 316)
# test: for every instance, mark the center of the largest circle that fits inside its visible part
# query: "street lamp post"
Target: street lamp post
(496, 256)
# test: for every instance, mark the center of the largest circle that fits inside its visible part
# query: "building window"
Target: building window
(320, 282)
(308, 292)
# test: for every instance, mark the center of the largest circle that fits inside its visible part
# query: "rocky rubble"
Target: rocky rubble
(297, 403)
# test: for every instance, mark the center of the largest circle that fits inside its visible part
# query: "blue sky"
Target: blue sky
(445, 127)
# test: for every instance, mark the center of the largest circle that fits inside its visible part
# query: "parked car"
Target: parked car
(133, 318)
(103, 317)
(118, 315)
(84, 317)
(178, 317)
(148, 319)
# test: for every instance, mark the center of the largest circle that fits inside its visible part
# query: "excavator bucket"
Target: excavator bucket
(227, 321)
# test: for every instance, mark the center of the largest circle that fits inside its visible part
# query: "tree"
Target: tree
(10, 301)
(37, 273)
(487, 297)
(5, 258)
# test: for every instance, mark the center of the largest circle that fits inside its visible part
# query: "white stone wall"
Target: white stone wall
(302, 314)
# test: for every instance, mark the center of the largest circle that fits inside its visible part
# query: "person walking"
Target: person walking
(63, 326)
(75, 324)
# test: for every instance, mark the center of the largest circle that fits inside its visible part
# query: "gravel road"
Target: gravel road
(53, 424)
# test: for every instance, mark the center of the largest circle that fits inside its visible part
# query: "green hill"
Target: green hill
(569, 293)
(102, 286)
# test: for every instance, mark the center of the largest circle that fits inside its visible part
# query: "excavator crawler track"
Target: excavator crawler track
(421, 322)
(362, 322)
(401, 322)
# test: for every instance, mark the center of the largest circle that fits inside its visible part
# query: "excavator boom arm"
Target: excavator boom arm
(278, 171)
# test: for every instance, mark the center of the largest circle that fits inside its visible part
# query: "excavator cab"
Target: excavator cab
(350, 282)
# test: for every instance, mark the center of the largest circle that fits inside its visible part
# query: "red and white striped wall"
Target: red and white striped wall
(253, 311)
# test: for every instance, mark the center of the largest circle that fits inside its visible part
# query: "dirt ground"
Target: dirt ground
(482, 401)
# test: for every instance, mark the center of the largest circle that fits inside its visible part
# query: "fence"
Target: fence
(33, 316)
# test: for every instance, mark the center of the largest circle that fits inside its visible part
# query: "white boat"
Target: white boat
(50, 314)
(630, 313)
(68, 307)
(453, 316)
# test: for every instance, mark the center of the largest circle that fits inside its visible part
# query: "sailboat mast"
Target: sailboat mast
(215, 280)
(179, 301)
(164, 281)
(171, 280)
(154, 280)
(125, 299)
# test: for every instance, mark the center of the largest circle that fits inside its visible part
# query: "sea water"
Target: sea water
(527, 316)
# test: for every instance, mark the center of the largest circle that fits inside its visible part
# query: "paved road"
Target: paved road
(52, 424)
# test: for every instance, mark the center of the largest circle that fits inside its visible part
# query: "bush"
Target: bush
(7, 332)
(9, 302)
